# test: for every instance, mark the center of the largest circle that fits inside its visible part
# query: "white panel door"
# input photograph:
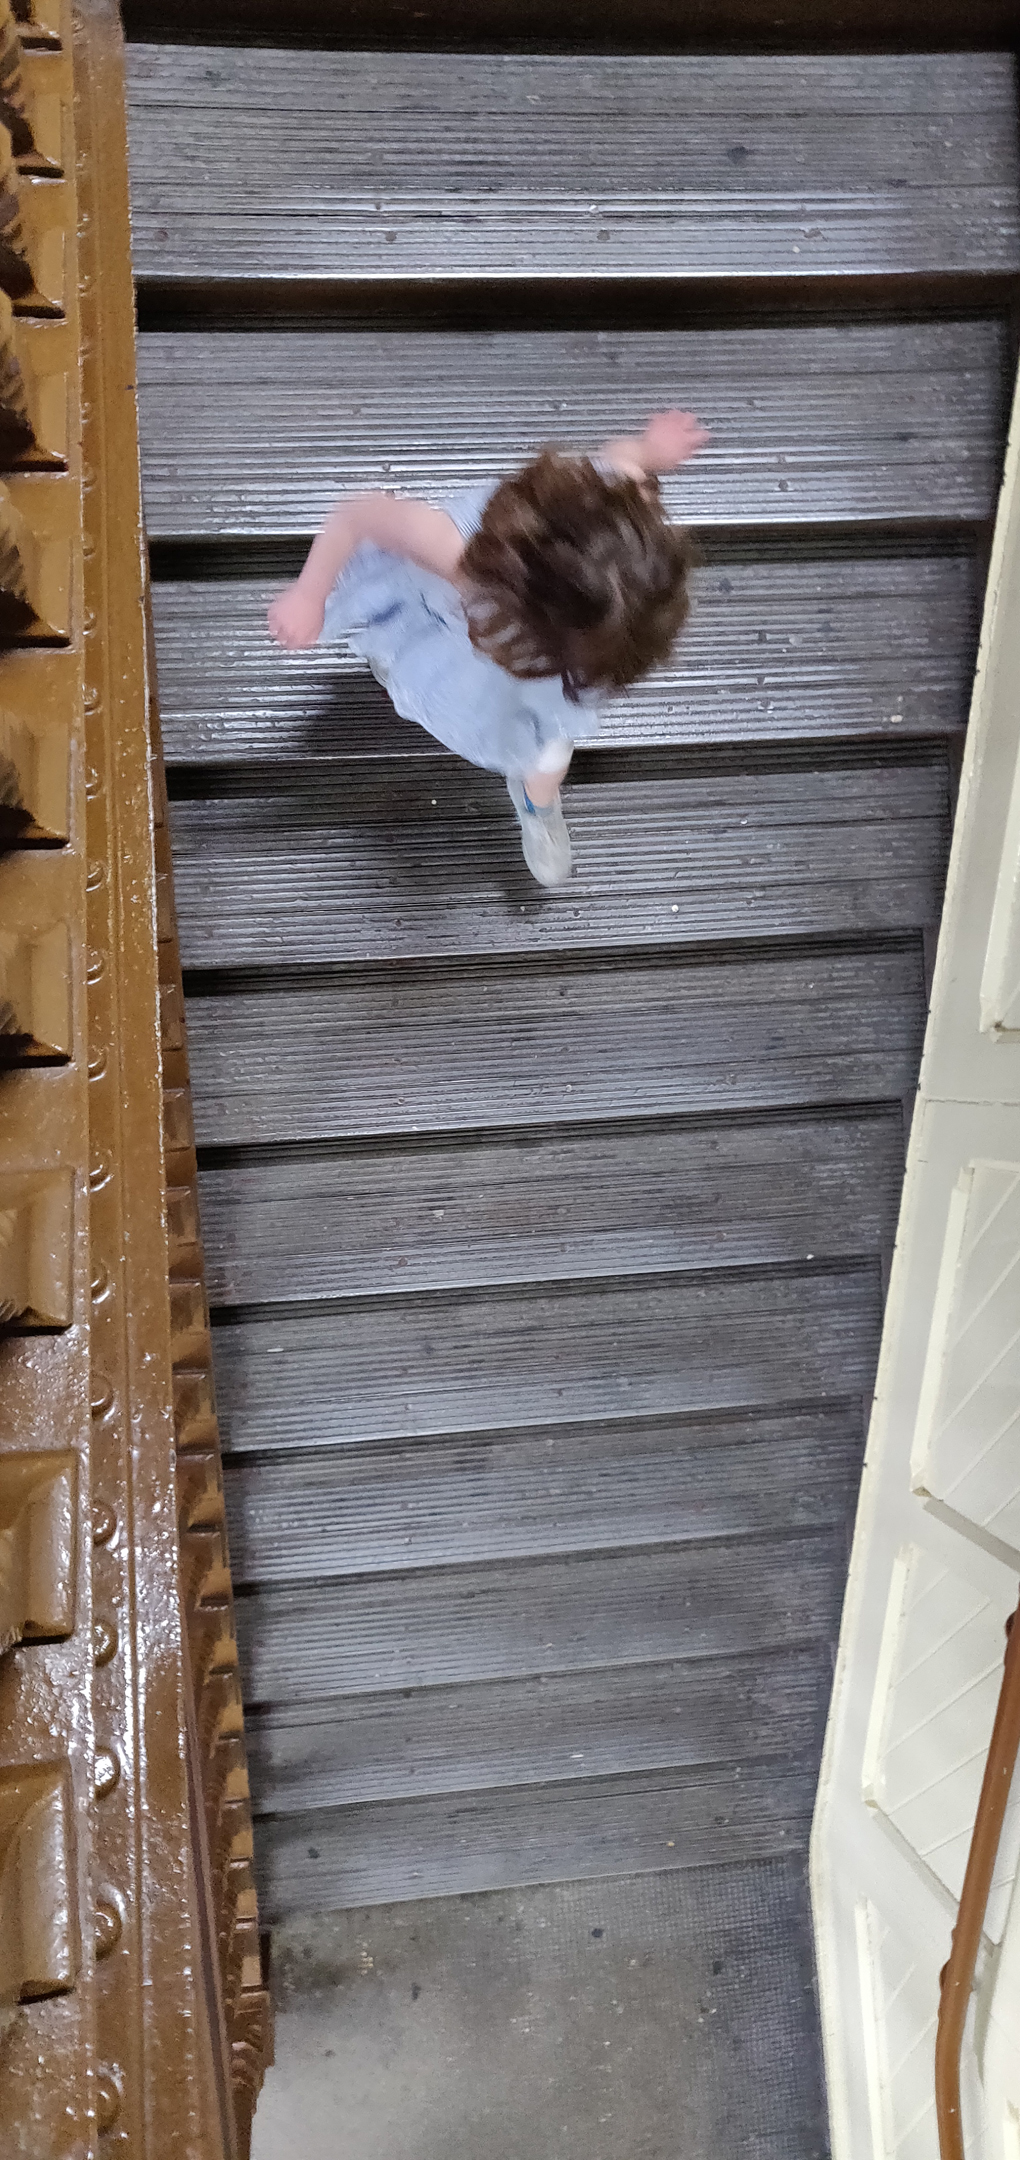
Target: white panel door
(936, 1559)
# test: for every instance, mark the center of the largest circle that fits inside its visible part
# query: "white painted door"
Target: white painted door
(936, 1559)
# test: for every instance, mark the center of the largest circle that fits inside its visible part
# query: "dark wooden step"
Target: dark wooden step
(384, 1851)
(508, 1621)
(428, 1049)
(537, 1206)
(372, 867)
(361, 1511)
(822, 648)
(404, 1745)
(383, 167)
(459, 1361)
(258, 433)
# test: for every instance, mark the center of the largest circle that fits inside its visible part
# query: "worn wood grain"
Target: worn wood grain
(551, 1615)
(379, 1853)
(359, 1511)
(458, 1362)
(286, 165)
(402, 1745)
(541, 1206)
(259, 433)
(427, 1049)
(367, 870)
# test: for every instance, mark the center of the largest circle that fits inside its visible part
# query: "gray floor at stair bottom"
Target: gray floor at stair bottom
(669, 2018)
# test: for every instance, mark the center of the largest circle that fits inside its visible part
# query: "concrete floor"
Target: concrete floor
(664, 2017)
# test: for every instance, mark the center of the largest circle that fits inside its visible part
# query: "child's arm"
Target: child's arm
(414, 529)
(669, 440)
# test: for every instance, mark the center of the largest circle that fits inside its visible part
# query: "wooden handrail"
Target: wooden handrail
(957, 1976)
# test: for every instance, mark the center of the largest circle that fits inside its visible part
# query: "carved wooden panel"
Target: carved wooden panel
(35, 775)
(38, 1544)
(40, 1947)
(36, 1248)
(114, 1924)
(35, 998)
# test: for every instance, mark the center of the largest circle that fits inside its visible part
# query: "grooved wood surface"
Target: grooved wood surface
(386, 166)
(427, 1049)
(400, 1745)
(357, 1220)
(366, 1510)
(439, 1847)
(820, 648)
(365, 869)
(258, 433)
(452, 1362)
(506, 1621)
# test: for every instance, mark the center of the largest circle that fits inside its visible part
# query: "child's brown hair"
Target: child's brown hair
(575, 572)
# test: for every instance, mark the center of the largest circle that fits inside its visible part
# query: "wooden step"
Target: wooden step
(258, 434)
(385, 1851)
(601, 1487)
(563, 1203)
(510, 1621)
(470, 1361)
(381, 866)
(437, 1050)
(402, 1745)
(821, 647)
(384, 167)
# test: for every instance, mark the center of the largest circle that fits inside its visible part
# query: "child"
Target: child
(499, 621)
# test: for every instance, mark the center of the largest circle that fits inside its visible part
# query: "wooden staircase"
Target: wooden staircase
(546, 1235)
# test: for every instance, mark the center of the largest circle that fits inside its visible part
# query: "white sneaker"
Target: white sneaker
(544, 837)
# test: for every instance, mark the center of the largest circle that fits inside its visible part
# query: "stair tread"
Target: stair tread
(457, 1361)
(673, 166)
(455, 1502)
(429, 1049)
(517, 1619)
(534, 1207)
(364, 868)
(772, 651)
(257, 433)
(385, 1851)
(538, 1731)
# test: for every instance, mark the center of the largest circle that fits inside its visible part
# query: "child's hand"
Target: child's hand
(671, 438)
(296, 618)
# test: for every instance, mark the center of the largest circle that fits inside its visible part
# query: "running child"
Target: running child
(502, 619)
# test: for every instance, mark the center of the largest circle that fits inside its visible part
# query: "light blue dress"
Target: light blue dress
(411, 628)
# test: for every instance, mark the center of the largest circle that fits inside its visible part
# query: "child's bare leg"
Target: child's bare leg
(543, 785)
(542, 788)
(536, 800)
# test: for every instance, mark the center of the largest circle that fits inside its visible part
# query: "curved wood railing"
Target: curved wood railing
(957, 1977)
